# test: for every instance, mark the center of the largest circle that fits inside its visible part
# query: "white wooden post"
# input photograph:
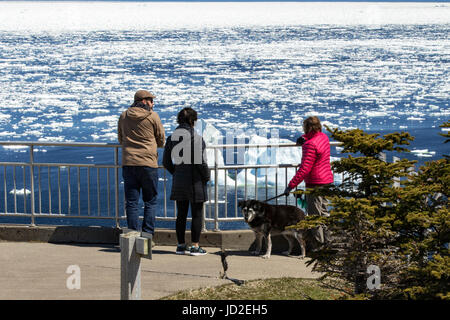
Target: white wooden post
(132, 248)
(144, 245)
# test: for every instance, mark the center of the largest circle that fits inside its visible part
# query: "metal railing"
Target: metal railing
(59, 189)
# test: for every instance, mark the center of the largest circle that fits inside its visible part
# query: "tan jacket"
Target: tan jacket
(140, 132)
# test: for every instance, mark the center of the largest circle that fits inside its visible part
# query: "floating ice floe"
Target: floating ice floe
(415, 119)
(53, 139)
(251, 156)
(15, 147)
(20, 192)
(269, 156)
(111, 136)
(4, 116)
(423, 153)
(375, 114)
(212, 136)
(108, 119)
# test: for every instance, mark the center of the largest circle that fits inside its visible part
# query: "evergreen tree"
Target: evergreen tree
(388, 216)
(424, 226)
(446, 135)
(362, 216)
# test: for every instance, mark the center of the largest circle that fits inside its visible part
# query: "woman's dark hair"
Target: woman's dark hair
(187, 116)
(312, 123)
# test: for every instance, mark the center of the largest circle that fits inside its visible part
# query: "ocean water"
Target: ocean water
(67, 72)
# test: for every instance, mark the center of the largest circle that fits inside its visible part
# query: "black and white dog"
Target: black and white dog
(266, 220)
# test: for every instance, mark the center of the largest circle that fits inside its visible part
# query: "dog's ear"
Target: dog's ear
(241, 203)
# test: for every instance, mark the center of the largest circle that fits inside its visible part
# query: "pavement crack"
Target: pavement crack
(158, 272)
(181, 274)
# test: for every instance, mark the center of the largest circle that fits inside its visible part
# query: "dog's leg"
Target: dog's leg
(259, 237)
(269, 246)
(291, 245)
(300, 236)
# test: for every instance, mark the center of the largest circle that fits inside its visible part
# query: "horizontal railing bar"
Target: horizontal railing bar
(115, 145)
(244, 166)
(231, 219)
(270, 145)
(57, 215)
(17, 164)
(253, 166)
(12, 214)
(60, 144)
(74, 165)
(159, 218)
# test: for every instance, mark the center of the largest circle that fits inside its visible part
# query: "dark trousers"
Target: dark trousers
(137, 179)
(196, 224)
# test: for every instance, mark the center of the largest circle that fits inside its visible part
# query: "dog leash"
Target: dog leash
(280, 195)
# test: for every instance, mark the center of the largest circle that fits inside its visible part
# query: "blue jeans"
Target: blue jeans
(135, 179)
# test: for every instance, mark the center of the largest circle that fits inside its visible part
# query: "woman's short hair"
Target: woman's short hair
(187, 116)
(312, 123)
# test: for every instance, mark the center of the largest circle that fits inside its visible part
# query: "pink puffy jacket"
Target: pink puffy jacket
(315, 167)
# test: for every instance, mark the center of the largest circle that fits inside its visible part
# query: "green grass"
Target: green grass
(265, 289)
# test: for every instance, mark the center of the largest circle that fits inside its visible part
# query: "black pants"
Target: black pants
(196, 224)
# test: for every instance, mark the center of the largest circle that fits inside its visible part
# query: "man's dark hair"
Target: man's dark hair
(187, 116)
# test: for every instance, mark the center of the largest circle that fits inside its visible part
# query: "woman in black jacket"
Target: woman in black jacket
(190, 173)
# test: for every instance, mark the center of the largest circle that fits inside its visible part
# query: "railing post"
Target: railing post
(204, 220)
(216, 190)
(256, 183)
(33, 224)
(116, 185)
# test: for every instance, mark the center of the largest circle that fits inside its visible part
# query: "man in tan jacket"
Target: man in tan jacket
(140, 132)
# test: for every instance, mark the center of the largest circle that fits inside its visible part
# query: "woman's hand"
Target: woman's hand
(287, 191)
(300, 141)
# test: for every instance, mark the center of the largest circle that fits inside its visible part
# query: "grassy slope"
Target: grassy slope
(267, 289)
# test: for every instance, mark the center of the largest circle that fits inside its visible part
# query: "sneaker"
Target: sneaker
(197, 251)
(182, 249)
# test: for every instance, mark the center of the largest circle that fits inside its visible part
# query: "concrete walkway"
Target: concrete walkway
(38, 270)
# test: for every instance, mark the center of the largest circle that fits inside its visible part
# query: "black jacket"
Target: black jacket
(189, 177)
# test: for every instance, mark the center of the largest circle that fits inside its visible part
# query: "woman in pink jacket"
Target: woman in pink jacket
(315, 168)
